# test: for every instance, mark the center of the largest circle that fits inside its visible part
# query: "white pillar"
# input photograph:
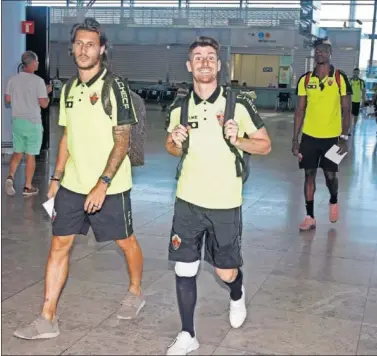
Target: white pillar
(13, 44)
(352, 14)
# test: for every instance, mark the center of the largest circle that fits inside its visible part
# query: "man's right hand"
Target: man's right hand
(49, 88)
(179, 134)
(295, 148)
(53, 189)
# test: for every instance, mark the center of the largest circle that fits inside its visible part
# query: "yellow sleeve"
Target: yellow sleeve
(345, 86)
(301, 90)
(174, 118)
(62, 116)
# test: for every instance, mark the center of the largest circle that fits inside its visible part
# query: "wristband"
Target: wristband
(55, 179)
(106, 180)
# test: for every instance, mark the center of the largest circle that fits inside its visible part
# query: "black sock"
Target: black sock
(333, 198)
(310, 208)
(186, 295)
(236, 287)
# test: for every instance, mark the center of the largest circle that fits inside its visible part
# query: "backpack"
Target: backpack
(242, 162)
(106, 102)
(337, 78)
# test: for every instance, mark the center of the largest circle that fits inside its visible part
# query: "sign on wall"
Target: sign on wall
(241, 37)
(268, 69)
(27, 27)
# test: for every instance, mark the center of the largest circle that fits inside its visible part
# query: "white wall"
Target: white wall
(12, 46)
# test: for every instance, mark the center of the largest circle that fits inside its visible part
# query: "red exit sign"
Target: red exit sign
(27, 27)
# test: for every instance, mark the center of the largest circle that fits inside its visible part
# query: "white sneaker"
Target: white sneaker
(238, 311)
(9, 187)
(183, 344)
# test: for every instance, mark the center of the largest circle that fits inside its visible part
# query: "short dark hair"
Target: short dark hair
(28, 57)
(204, 41)
(322, 41)
(356, 69)
(92, 25)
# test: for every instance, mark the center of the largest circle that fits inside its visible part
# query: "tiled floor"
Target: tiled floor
(311, 293)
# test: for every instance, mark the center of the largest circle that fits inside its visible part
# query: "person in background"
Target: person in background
(323, 112)
(26, 93)
(358, 96)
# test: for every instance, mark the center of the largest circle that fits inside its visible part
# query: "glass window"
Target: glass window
(364, 12)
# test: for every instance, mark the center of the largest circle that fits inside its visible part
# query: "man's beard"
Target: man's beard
(89, 65)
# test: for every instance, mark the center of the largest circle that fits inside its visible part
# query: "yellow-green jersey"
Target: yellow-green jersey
(90, 133)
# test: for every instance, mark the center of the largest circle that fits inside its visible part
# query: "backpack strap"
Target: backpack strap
(108, 80)
(68, 86)
(337, 78)
(230, 107)
(307, 79)
(186, 143)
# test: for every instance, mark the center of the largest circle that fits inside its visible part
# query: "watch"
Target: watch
(344, 137)
(106, 180)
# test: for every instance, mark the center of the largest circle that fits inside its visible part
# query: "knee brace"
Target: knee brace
(187, 269)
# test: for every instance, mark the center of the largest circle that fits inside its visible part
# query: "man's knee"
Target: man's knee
(61, 244)
(187, 269)
(127, 243)
(227, 275)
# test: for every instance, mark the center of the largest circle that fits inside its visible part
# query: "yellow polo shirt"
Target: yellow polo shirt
(358, 86)
(323, 115)
(90, 134)
(208, 177)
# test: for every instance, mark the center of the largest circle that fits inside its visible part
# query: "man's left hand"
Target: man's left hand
(343, 146)
(95, 198)
(231, 131)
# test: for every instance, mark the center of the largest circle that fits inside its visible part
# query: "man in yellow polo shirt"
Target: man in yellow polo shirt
(323, 100)
(209, 193)
(358, 94)
(96, 172)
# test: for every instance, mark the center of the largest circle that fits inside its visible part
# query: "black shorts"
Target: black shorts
(222, 228)
(313, 152)
(112, 222)
(355, 109)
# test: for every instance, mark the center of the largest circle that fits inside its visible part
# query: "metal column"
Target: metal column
(373, 38)
(352, 14)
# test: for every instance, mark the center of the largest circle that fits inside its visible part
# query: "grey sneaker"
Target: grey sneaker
(30, 191)
(9, 186)
(131, 306)
(40, 328)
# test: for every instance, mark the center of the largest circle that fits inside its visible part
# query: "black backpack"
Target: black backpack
(105, 96)
(242, 162)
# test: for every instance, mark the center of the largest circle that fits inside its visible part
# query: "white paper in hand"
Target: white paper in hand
(332, 154)
(49, 206)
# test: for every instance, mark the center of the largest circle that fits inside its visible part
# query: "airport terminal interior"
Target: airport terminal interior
(307, 293)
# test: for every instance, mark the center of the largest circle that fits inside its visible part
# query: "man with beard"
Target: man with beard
(209, 192)
(323, 99)
(95, 174)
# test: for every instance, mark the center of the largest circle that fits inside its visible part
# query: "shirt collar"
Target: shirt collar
(211, 99)
(331, 73)
(94, 79)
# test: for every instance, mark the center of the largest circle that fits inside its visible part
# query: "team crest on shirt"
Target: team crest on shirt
(330, 81)
(220, 117)
(176, 242)
(93, 98)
